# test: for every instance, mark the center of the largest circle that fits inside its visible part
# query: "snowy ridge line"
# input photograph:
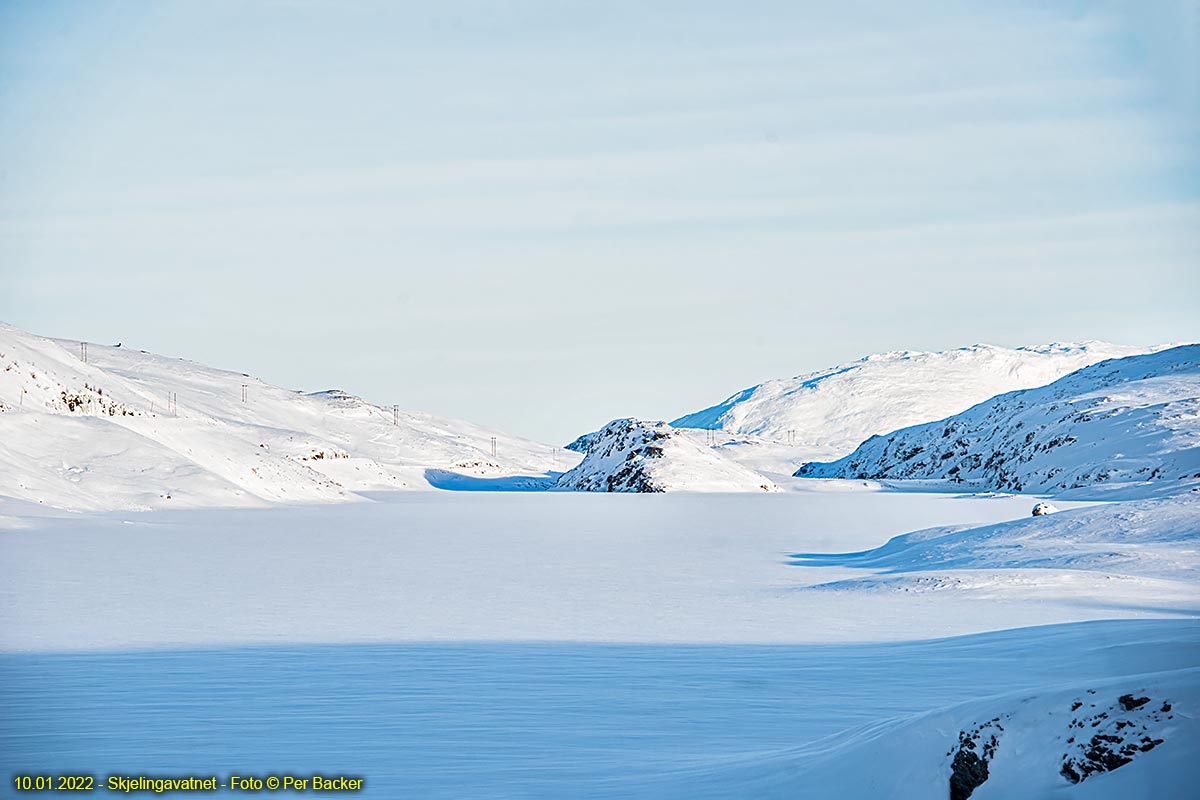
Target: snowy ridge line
(1130, 423)
(826, 414)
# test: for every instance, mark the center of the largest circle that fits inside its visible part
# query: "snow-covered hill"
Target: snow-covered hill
(1131, 422)
(129, 429)
(631, 455)
(827, 414)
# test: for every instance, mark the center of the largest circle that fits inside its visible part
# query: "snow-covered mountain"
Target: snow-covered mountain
(631, 455)
(1130, 422)
(827, 414)
(130, 429)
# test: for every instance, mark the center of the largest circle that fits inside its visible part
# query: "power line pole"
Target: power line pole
(244, 387)
(493, 447)
(396, 416)
(83, 351)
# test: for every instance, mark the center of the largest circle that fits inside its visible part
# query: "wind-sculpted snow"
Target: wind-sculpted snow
(126, 429)
(1131, 423)
(1132, 736)
(654, 721)
(1113, 550)
(631, 455)
(826, 414)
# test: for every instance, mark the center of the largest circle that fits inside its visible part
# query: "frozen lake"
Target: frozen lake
(438, 566)
(452, 645)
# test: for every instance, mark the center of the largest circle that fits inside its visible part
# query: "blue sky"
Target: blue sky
(543, 215)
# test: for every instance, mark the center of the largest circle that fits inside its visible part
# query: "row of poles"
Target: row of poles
(173, 398)
(173, 402)
(713, 437)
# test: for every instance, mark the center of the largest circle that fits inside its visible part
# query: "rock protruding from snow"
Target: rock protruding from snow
(582, 444)
(1044, 508)
(976, 749)
(1110, 736)
(827, 414)
(631, 455)
(1133, 422)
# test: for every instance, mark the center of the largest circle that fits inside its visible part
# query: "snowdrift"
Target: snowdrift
(1109, 550)
(1131, 424)
(631, 455)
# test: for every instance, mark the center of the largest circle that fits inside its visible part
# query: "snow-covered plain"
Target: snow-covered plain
(421, 566)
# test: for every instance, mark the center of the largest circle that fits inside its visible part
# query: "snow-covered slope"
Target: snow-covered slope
(1121, 737)
(1132, 422)
(631, 455)
(129, 429)
(1117, 738)
(1151, 541)
(827, 414)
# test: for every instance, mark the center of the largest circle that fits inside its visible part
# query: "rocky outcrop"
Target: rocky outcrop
(631, 455)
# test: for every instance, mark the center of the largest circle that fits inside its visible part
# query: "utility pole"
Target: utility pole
(396, 416)
(244, 387)
(493, 447)
(83, 351)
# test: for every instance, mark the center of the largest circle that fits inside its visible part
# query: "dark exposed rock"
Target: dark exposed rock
(1117, 741)
(1129, 703)
(969, 770)
(582, 444)
(631, 455)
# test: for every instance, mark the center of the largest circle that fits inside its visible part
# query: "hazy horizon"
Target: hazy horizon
(541, 216)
